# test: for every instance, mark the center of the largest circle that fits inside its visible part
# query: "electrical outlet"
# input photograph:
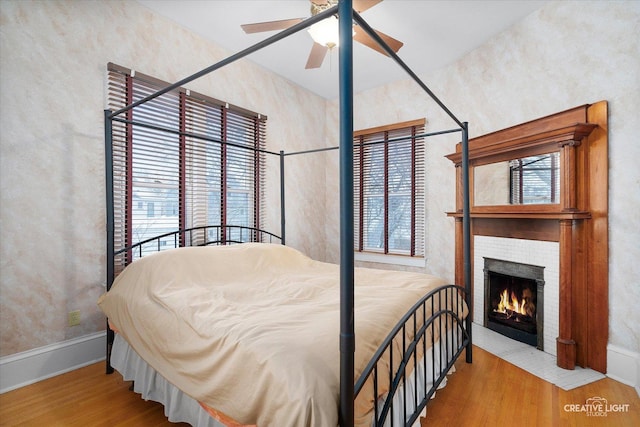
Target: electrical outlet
(74, 318)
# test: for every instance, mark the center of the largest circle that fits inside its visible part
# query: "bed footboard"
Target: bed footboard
(416, 356)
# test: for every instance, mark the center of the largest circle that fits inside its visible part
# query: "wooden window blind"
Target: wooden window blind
(183, 160)
(389, 189)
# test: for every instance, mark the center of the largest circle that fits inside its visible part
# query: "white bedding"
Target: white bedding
(252, 330)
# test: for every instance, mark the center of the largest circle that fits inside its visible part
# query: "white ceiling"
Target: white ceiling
(435, 33)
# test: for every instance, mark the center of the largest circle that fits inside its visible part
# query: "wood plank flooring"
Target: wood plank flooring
(489, 392)
(493, 392)
(81, 398)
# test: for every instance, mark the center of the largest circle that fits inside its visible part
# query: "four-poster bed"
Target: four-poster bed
(427, 340)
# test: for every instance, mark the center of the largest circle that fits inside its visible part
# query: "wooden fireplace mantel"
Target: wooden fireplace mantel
(578, 222)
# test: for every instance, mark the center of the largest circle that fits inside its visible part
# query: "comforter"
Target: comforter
(252, 330)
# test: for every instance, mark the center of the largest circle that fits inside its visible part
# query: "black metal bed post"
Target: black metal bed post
(108, 161)
(347, 334)
(464, 127)
(466, 234)
(282, 204)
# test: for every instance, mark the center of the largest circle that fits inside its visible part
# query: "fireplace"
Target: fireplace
(514, 300)
(576, 320)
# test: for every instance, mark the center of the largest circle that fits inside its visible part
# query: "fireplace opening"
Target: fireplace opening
(513, 300)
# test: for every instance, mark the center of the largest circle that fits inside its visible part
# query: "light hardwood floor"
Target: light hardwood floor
(489, 392)
(493, 392)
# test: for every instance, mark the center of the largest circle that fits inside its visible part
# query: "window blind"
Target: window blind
(535, 179)
(389, 189)
(182, 160)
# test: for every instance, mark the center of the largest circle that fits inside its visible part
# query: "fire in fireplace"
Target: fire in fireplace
(513, 300)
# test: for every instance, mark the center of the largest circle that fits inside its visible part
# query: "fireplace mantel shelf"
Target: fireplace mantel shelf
(559, 215)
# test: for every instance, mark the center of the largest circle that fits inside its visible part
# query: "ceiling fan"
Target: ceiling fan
(321, 44)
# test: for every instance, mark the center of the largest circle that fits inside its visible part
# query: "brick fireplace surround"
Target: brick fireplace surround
(577, 226)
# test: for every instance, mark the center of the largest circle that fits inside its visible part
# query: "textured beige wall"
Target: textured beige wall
(52, 71)
(566, 54)
(52, 197)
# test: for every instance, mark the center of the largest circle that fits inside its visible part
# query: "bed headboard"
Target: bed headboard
(195, 236)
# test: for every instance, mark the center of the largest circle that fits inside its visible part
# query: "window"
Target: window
(166, 178)
(389, 189)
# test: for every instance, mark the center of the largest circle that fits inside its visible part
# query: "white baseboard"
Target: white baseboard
(624, 366)
(28, 367)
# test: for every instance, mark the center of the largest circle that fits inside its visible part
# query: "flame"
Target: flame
(511, 303)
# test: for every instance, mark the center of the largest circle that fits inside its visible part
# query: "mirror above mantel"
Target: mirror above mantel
(532, 169)
(532, 180)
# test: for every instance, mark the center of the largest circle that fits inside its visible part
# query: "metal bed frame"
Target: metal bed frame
(422, 328)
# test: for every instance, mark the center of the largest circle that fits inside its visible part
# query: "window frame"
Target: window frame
(388, 138)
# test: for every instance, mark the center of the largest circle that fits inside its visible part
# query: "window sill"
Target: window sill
(390, 259)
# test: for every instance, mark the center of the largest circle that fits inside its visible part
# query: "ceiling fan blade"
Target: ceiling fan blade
(319, 2)
(361, 36)
(362, 5)
(316, 56)
(259, 27)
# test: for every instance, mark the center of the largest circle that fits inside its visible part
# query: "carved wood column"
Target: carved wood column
(565, 344)
(569, 176)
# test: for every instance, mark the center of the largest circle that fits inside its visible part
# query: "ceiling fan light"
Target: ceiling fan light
(325, 32)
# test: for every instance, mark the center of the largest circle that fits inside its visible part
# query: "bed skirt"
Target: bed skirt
(179, 407)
